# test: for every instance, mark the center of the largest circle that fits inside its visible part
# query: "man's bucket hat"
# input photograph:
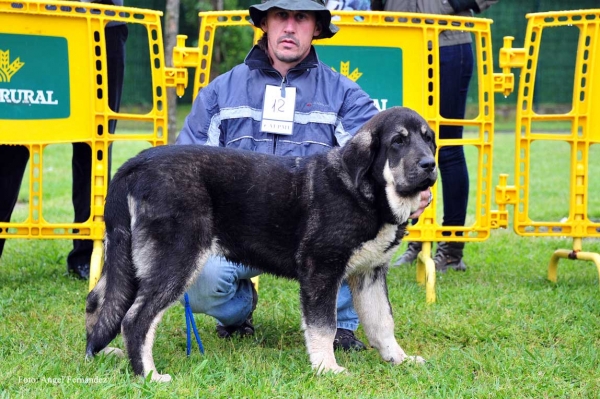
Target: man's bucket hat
(259, 11)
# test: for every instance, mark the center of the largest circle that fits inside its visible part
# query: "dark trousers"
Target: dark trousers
(82, 153)
(13, 159)
(456, 69)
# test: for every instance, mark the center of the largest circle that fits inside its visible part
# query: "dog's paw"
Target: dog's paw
(402, 358)
(160, 377)
(415, 359)
(110, 351)
(324, 362)
(334, 370)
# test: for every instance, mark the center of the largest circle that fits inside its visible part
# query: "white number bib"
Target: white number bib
(278, 110)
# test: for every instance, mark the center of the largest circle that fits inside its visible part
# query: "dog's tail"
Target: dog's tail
(115, 292)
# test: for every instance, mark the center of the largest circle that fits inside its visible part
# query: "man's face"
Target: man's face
(290, 34)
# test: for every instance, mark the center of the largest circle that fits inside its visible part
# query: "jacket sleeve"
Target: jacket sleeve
(357, 109)
(476, 5)
(200, 120)
(485, 4)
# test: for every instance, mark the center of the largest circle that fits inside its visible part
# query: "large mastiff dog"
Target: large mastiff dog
(317, 219)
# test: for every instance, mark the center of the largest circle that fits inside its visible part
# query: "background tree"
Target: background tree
(180, 17)
(171, 32)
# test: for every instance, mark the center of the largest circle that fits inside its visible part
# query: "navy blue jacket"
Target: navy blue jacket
(330, 108)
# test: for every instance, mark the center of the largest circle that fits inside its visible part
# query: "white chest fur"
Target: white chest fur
(375, 252)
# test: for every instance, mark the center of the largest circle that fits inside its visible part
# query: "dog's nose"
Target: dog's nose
(427, 163)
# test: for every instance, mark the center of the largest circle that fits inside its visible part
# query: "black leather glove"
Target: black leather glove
(463, 5)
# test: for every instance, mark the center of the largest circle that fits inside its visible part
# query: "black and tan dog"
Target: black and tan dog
(317, 219)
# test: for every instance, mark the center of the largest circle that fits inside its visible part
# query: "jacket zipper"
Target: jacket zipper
(276, 136)
(284, 81)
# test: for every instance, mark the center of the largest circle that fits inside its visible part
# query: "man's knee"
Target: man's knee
(215, 285)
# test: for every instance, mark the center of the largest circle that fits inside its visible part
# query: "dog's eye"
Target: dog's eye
(427, 138)
(398, 141)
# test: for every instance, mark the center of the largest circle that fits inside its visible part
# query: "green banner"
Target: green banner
(34, 77)
(377, 70)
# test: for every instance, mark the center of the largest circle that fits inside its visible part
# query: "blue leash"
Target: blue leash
(189, 320)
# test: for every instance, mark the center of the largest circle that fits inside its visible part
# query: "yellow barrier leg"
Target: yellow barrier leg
(255, 282)
(96, 264)
(553, 266)
(566, 254)
(594, 257)
(420, 265)
(426, 272)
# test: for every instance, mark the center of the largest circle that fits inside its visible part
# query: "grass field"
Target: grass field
(499, 330)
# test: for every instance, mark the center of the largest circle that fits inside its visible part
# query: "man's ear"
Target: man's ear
(263, 25)
(318, 29)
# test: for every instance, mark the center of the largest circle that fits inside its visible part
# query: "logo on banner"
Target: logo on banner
(379, 70)
(7, 68)
(345, 70)
(20, 96)
(34, 77)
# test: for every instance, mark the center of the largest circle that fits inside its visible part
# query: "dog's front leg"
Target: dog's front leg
(318, 301)
(369, 292)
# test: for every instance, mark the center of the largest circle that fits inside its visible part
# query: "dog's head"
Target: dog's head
(396, 148)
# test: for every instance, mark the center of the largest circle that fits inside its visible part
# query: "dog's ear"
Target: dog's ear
(359, 153)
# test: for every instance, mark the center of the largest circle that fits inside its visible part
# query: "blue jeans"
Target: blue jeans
(223, 290)
(456, 69)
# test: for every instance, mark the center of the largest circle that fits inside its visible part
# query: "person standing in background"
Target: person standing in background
(115, 34)
(14, 159)
(456, 69)
(349, 5)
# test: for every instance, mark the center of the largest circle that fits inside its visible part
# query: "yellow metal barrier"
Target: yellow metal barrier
(394, 57)
(52, 52)
(584, 118)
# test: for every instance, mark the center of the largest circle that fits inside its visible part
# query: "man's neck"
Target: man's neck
(282, 67)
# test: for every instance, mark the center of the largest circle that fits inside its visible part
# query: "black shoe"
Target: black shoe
(82, 270)
(449, 255)
(78, 260)
(245, 329)
(410, 255)
(346, 341)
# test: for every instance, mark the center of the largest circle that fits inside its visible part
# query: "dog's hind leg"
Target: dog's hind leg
(139, 328)
(319, 322)
(162, 281)
(370, 296)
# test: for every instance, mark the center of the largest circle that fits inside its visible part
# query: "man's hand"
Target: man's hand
(426, 197)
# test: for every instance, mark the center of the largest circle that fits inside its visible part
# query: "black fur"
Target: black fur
(307, 219)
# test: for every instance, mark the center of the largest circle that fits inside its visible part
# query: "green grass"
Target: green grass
(499, 330)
